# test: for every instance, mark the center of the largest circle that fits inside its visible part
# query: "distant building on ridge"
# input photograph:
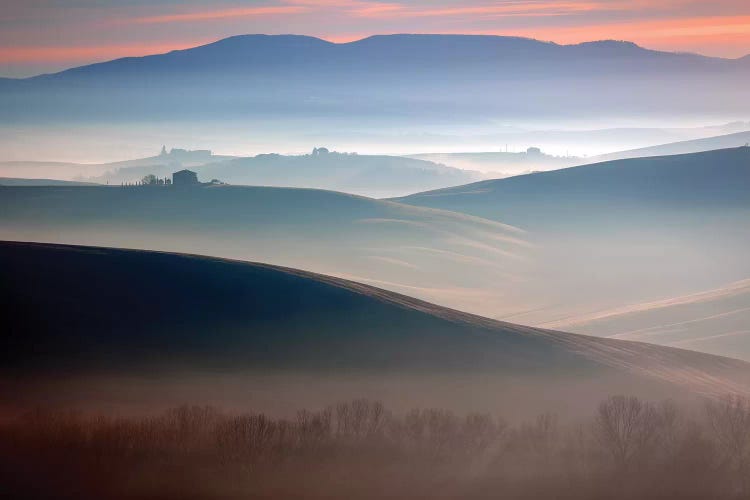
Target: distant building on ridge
(185, 178)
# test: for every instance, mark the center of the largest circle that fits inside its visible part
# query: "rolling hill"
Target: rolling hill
(86, 313)
(15, 181)
(726, 141)
(692, 182)
(378, 176)
(592, 238)
(163, 164)
(439, 256)
(367, 175)
(621, 233)
(716, 321)
(503, 164)
(615, 144)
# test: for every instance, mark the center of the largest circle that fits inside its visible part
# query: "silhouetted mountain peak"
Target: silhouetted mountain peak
(450, 75)
(259, 40)
(610, 43)
(450, 38)
(244, 52)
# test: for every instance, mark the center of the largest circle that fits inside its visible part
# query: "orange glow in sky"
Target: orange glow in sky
(49, 35)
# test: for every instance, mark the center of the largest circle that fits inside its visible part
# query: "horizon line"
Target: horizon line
(344, 41)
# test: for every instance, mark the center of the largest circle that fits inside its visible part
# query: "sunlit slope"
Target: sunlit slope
(80, 310)
(439, 256)
(725, 141)
(716, 321)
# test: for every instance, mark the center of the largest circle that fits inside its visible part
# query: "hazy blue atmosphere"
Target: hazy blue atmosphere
(384, 94)
(365, 249)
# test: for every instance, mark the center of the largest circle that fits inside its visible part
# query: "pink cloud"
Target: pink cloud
(683, 25)
(504, 9)
(223, 14)
(76, 54)
(727, 35)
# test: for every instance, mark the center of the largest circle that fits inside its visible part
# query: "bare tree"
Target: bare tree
(627, 428)
(542, 435)
(360, 419)
(729, 421)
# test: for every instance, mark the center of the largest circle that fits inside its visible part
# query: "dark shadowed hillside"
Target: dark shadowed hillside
(85, 313)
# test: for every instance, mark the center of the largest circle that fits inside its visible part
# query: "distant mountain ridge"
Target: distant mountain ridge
(381, 75)
(267, 49)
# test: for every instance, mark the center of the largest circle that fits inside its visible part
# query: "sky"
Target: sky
(38, 36)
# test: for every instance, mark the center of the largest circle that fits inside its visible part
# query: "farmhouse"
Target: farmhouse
(185, 178)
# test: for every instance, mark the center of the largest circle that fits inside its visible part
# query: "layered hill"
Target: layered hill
(725, 141)
(15, 181)
(86, 313)
(716, 321)
(503, 164)
(694, 182)
(610, 236)
(618, 234)
(643, 142)
(378, 176)
(163, 164)
(368, 175)
(444, 257)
